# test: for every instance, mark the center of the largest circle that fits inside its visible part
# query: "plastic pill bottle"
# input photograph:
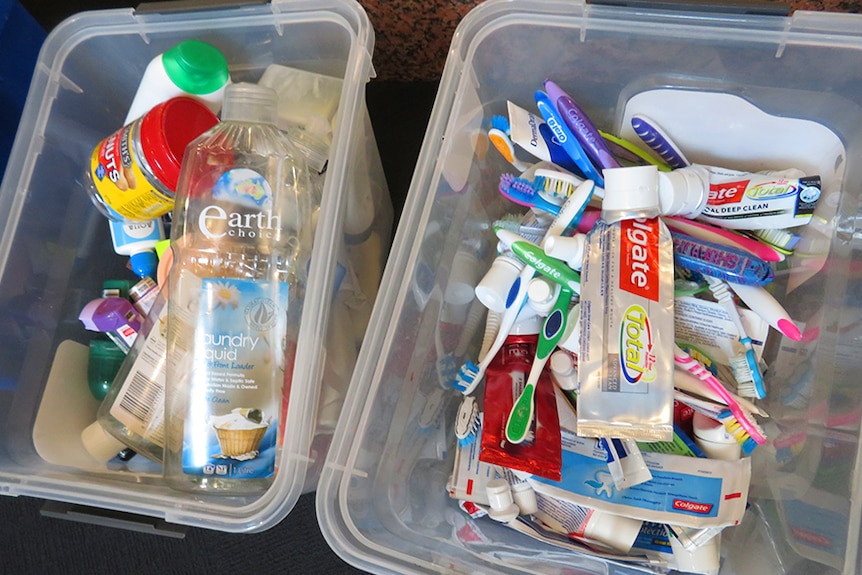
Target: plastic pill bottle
(133, 172)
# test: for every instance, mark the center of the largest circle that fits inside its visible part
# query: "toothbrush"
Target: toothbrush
(631, 153)
(554, 269)
(524, 193)
(658, 141)
(560, 184)
(499, 134)
(467, 422)
(722, 414)
(521, 415)
(581, 126)
(767, 307)
(745, 369)
(565, 137)
(471, 374)
(781, 240)
(723, 262)
(688, 363)
(687, 382)
(723, 237)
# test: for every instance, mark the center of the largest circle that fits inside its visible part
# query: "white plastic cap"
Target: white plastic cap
(630, 192)
(525, 498)
(572, 341)
(568, 249)
(705, 559)
(542, 294)
(99, 443)
(563, 370)
(493, 290)
(503, 508)
(684, 191)
(615, 530)
(714, 440)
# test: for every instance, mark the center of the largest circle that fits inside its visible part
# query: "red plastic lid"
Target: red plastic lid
(167, 129)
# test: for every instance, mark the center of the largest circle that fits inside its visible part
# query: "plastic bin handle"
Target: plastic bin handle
(172, 6)
(108, 518)
(758, 7)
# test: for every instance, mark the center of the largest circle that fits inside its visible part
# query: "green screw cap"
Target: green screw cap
(196, 67)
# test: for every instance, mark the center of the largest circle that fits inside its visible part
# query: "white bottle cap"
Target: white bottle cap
(493, 290)
(503, 508)
(684, 191)
(571, 340)
(714, 440)
(615, 530)
(568, 249)
(99, 443)
(525, 498)
(563, 370)
(542, 294)
(705, 559)
(630, 192)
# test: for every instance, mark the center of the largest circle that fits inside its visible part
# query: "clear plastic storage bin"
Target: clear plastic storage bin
(55, 251)
(747, 91)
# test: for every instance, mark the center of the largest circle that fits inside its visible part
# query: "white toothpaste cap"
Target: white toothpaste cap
(705, 559)
(571, 340)
(494, 287)
(525, 498)
(503, 508)
(630, 192)
(714, 440)
(684, 191)
(563, 370)
(568, 249)
(543, 294)
(615, 530)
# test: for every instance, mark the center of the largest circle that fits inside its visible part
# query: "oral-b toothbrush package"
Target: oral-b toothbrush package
(625, 373)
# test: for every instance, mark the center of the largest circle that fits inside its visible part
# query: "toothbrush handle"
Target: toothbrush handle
(658, 141)
(688, 363)
(521, 415)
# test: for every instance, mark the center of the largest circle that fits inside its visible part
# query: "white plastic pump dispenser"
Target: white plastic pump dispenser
(635, 193)
(684, 191)
(191, 68)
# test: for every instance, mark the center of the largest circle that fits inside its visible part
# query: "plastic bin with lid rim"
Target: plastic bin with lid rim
(720, 82)
(55, 251)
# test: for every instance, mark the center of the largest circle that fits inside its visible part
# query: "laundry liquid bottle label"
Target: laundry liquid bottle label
(237, 371)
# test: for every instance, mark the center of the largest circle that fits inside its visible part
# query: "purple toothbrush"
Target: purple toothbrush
(579, 123)
(658, 141)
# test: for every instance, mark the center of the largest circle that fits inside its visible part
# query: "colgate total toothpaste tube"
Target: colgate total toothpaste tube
(625, 374)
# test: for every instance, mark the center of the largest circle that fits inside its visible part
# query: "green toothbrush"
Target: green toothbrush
(521, 416)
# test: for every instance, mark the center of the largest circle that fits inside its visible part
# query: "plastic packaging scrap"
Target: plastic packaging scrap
(613, 407)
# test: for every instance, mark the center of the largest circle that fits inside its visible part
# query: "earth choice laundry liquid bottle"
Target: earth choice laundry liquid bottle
(240, 237)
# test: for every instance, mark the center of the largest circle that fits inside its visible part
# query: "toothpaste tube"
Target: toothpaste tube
(532, 134)
(655, 541)
(746, 201)
(686, 491)
(469, 475)
(625, 364)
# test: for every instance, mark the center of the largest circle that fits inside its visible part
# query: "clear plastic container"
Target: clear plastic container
(382, 500)
(56, 251)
